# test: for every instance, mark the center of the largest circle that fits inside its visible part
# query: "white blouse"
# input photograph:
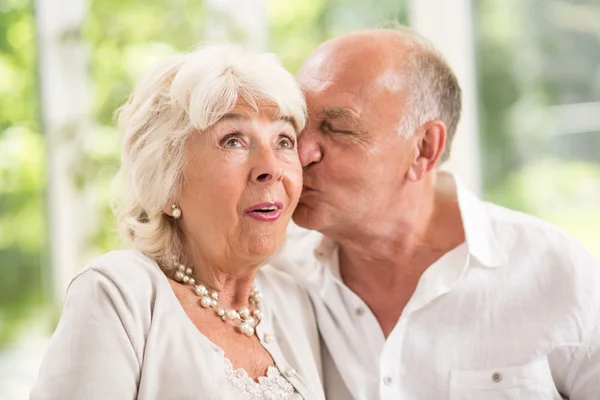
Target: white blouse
(124, 335)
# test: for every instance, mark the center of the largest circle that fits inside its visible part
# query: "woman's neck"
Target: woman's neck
(231, 279)
(234, 290)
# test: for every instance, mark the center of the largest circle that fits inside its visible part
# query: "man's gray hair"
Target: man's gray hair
(433, 90)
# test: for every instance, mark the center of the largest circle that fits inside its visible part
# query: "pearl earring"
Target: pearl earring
(175, 211)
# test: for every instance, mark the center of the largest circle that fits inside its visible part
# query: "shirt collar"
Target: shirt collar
(327, 255)
(479, 228)
(477, 224)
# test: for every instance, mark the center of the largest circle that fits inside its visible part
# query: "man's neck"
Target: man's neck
(383, 266)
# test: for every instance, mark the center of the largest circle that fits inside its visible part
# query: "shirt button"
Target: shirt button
(290, 373)
(387, 381)
(497, 377)
(360, 311)
(268, 338)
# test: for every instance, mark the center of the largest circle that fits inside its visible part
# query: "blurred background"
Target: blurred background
(529, 139)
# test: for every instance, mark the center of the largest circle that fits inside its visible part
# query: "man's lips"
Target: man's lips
(267, 211)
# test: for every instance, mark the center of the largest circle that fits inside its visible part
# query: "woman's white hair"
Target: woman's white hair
(186, 94)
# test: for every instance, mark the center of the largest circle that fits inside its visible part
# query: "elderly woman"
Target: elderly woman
(212, 176)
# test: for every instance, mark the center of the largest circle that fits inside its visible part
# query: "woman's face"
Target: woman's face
(241, 185)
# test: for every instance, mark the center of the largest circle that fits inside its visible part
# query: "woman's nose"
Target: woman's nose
(267, 177)
(267, 169)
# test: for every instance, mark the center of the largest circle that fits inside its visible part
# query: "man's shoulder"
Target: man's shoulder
(524, 235)
(275, 277)
(285, 292)
(505, 221)
(297, 255)
(506, 218)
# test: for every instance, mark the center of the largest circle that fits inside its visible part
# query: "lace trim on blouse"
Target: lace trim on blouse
(271, 387)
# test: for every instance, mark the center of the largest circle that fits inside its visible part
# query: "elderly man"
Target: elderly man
(421, 290)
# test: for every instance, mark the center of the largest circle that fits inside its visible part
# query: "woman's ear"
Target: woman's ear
(169, 207)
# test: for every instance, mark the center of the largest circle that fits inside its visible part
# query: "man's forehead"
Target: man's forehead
(334, 89)
(361, 56)
(356, 74)
(350, 84)
(349, 98)
(333, 103)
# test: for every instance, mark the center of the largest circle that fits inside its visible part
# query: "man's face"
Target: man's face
(354, 161)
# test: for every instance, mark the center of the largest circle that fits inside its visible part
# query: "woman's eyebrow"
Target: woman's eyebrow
(243, 118)
(289, 120)
(234, 117)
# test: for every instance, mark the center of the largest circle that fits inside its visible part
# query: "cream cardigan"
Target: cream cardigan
(124, 335)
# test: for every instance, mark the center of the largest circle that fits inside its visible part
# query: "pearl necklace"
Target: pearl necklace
(247, 320)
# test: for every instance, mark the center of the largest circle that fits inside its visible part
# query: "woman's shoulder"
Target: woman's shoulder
(125, 264)
(129, 273)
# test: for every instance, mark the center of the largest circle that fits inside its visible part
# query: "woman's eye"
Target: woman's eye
(232, 143)
(286, 143)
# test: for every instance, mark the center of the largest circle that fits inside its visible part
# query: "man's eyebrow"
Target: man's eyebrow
(345, 113)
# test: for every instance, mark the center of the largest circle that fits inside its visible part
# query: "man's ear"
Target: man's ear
(430, 145)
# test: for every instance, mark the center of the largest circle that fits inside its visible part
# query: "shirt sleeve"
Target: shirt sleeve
(586, 382)
(585, 378)
(91, 355)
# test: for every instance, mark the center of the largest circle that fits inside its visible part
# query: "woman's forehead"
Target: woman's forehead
(260, 109)
(243, 112)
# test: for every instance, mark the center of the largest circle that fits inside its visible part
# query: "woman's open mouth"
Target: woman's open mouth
(265, 211)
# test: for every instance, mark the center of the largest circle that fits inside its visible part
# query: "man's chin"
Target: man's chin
(305, 217)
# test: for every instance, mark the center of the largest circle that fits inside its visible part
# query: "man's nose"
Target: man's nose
(309, 148)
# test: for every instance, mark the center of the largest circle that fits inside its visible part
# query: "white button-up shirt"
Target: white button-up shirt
(512, 313)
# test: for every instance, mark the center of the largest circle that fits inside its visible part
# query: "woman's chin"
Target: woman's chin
(262, 247)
